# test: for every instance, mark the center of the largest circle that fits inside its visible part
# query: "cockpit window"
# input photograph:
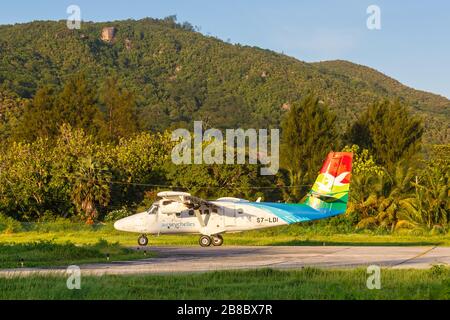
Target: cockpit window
(153, 209)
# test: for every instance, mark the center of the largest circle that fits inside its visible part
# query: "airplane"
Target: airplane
(181, 213)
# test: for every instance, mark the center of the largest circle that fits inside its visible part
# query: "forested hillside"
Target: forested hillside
(177, 74)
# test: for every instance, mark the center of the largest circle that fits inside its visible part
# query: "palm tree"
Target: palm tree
(389, 198)
(364, 199)
(90, 187)
(429, 208)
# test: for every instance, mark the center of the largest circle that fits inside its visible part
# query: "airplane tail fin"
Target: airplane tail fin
(330, 191)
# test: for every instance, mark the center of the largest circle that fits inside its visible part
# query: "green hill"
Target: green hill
(180, 75)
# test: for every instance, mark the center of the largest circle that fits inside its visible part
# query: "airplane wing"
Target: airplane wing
(173, 195)
(186, 199)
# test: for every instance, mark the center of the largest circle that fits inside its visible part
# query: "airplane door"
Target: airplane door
(217, 218)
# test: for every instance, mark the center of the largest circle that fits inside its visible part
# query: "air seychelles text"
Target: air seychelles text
(208, 147)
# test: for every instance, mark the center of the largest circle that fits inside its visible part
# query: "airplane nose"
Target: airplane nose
(134, 223)
(119, 224)
(125, 224)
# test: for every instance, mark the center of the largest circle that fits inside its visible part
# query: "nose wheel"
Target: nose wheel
(143, 240)
(206, 241)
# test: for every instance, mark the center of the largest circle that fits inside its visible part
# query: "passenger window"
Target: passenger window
(240, 211)
(153, 209)
(165, 203)
(214, 210)
(191, 212)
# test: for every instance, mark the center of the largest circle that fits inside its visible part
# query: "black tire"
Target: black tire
(143, 240)
(205, 241)
(217, 240)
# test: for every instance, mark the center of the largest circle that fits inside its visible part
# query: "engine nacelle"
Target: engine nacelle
(171, 207)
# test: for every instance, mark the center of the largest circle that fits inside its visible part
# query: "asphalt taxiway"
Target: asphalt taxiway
(185, 259)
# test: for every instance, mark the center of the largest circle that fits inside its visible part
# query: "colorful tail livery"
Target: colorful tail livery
(328, 196)
(330, 191)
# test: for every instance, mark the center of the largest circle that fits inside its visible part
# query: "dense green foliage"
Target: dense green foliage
(177, 75)
(412, 196)
(75, 175)
(308, 283)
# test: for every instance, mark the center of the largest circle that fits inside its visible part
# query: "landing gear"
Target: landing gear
(217, 240)
(205, 241)
(143, 240)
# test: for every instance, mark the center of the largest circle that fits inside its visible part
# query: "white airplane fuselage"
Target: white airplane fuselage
(229, 216)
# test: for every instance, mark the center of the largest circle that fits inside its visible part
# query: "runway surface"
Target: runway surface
(197, 259)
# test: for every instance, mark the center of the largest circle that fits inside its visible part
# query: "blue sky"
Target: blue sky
(413, 45)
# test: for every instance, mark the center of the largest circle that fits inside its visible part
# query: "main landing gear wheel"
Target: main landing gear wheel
(205, 241)
(217, 240)
(143, 240)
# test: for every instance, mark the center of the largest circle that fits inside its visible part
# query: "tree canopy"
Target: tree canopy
(308, 134)
(389, 132)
